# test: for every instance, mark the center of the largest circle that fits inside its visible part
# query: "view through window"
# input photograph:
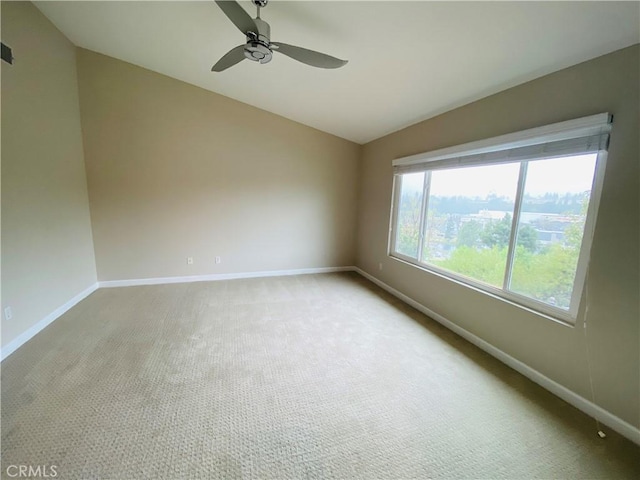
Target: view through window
(517, 227)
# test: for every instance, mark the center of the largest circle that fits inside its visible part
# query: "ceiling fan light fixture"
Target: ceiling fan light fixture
(257, 52)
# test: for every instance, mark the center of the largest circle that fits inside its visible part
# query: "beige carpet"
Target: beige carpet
(316, 376)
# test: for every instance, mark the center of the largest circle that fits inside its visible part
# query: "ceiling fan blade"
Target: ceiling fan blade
(233, 56)
(310, 57)
(238, 16)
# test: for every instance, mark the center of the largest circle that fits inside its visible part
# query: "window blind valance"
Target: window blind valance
(574, 137)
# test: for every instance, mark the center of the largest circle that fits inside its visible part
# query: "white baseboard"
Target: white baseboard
(220, 276)
(615, 423)
(25, 336)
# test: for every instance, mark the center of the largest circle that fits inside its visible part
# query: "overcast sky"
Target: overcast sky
(560, 175)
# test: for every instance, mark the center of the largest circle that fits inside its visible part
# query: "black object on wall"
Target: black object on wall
(7, 55)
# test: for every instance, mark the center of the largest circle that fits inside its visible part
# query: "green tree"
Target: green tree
(469, 234)
(528, 238)
(486, 265)
(496, 233)
(546, 276)
(408, 234)
(450, 227)
(573, 233)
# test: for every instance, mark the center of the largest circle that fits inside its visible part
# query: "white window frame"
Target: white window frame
(573, 137)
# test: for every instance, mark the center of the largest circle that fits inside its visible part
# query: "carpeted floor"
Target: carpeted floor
(314, 376)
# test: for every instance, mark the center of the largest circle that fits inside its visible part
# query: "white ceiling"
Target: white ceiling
(408, 61)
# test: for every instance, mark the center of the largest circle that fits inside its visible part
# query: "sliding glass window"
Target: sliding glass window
(514, 221)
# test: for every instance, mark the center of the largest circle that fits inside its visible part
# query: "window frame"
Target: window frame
(453, 157)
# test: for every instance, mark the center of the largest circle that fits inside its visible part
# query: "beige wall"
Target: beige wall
(47, 250)
(606, 84)
(177, 171)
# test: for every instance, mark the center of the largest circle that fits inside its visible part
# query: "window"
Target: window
(512, 216)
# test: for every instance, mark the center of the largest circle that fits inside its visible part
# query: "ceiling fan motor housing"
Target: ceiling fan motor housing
(257, 48)
(257, 51)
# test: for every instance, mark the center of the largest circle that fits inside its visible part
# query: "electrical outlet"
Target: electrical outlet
(189, 260)
(380, 266)
(218, 260)
(8, 314)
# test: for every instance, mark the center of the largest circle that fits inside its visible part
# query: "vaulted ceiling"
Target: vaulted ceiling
(408, 61)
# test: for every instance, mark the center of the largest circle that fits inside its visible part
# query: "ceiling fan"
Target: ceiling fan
(259, 47)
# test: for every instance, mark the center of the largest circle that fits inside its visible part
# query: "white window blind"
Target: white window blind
(583, 135)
